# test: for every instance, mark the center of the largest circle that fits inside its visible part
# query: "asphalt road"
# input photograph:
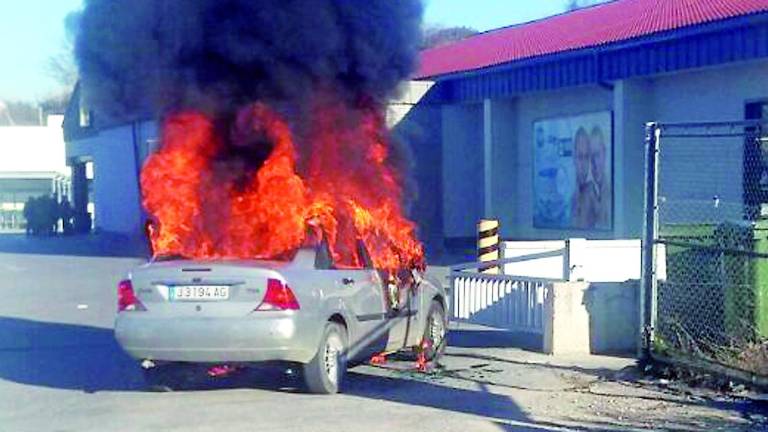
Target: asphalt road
(61, 370)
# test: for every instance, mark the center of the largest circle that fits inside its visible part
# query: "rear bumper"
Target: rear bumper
(255, 338)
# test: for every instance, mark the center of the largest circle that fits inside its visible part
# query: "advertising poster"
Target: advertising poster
(573, 172)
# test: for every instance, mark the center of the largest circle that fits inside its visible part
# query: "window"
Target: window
(85, 114)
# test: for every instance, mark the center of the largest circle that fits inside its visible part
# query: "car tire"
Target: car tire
(435, 332)
(324, 374)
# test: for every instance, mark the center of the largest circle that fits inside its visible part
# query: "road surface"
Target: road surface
(61, 370)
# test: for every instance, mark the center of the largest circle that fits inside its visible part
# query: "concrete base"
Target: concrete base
(614, 317)
(566, 320)
(591, 318)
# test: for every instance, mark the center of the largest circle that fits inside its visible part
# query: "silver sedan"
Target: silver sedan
(229, 314)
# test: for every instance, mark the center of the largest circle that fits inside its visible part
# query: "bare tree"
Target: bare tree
(61, 66)
(19, 114)
(63, 69)
(435, 35)
(572, 5)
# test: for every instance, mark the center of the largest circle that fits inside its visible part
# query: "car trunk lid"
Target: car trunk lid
(204, 288)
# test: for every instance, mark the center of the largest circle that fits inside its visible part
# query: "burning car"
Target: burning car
(279, 196)
(305, 310)
(270, 249)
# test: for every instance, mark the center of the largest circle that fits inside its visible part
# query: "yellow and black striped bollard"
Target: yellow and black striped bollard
(488, 245)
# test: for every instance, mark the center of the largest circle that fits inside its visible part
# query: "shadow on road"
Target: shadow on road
(77, 357)
(475, 338)
(497, 408)
(64, 356)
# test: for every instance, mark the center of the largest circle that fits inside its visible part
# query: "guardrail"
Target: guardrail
(499, 300)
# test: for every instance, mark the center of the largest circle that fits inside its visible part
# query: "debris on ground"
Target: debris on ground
(573, 395)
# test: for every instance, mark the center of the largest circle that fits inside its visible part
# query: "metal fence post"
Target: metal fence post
(648, 297)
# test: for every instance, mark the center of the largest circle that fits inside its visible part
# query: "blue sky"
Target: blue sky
(489, 14)
(31, 31)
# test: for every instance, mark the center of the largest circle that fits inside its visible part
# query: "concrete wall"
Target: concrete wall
(114, 153)
(462, 173)
(696, 170)
(417, 127)
(596, 318)
(503, 190)
(537, 107)
(632, 109)
(614, 317)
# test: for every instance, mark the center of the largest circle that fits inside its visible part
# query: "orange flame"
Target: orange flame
(348, 189)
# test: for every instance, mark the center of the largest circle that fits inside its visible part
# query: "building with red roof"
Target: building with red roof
(513, 112)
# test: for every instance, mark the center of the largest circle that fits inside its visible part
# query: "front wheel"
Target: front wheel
(434, 340)
(325, 372)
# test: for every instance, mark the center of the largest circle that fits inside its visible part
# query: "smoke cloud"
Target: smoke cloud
(143, 58)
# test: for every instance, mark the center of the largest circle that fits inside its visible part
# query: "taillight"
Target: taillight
(278, 297)
(126, 298)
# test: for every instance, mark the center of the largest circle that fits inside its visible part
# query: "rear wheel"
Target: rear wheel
(434, 340)
(325, 372)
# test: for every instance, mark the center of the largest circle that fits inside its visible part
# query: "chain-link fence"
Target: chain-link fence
(706, 274)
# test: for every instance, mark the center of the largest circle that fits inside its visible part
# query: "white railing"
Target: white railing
(499, 300)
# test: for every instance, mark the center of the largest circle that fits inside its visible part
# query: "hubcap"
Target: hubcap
(333, 349)
(436, 330)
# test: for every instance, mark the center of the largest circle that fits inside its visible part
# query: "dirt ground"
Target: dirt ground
(586, 392)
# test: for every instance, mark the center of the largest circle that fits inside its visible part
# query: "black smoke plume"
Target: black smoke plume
(144, 58)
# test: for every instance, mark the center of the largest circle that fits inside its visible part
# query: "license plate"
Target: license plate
(199, 292)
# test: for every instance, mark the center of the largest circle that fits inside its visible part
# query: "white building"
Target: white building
(32, 164)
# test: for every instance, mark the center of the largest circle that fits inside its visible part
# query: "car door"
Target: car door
(402, 320)
(360, 290)
(398, 320)
(367, 305)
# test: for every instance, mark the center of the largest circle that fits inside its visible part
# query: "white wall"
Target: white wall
(116, 184)
(588, 260)
(409, 95)
(549, 267)
(33, 148)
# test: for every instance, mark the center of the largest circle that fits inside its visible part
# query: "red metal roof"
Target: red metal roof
(598, 25)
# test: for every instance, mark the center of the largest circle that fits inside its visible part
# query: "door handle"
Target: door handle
(347, 281)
